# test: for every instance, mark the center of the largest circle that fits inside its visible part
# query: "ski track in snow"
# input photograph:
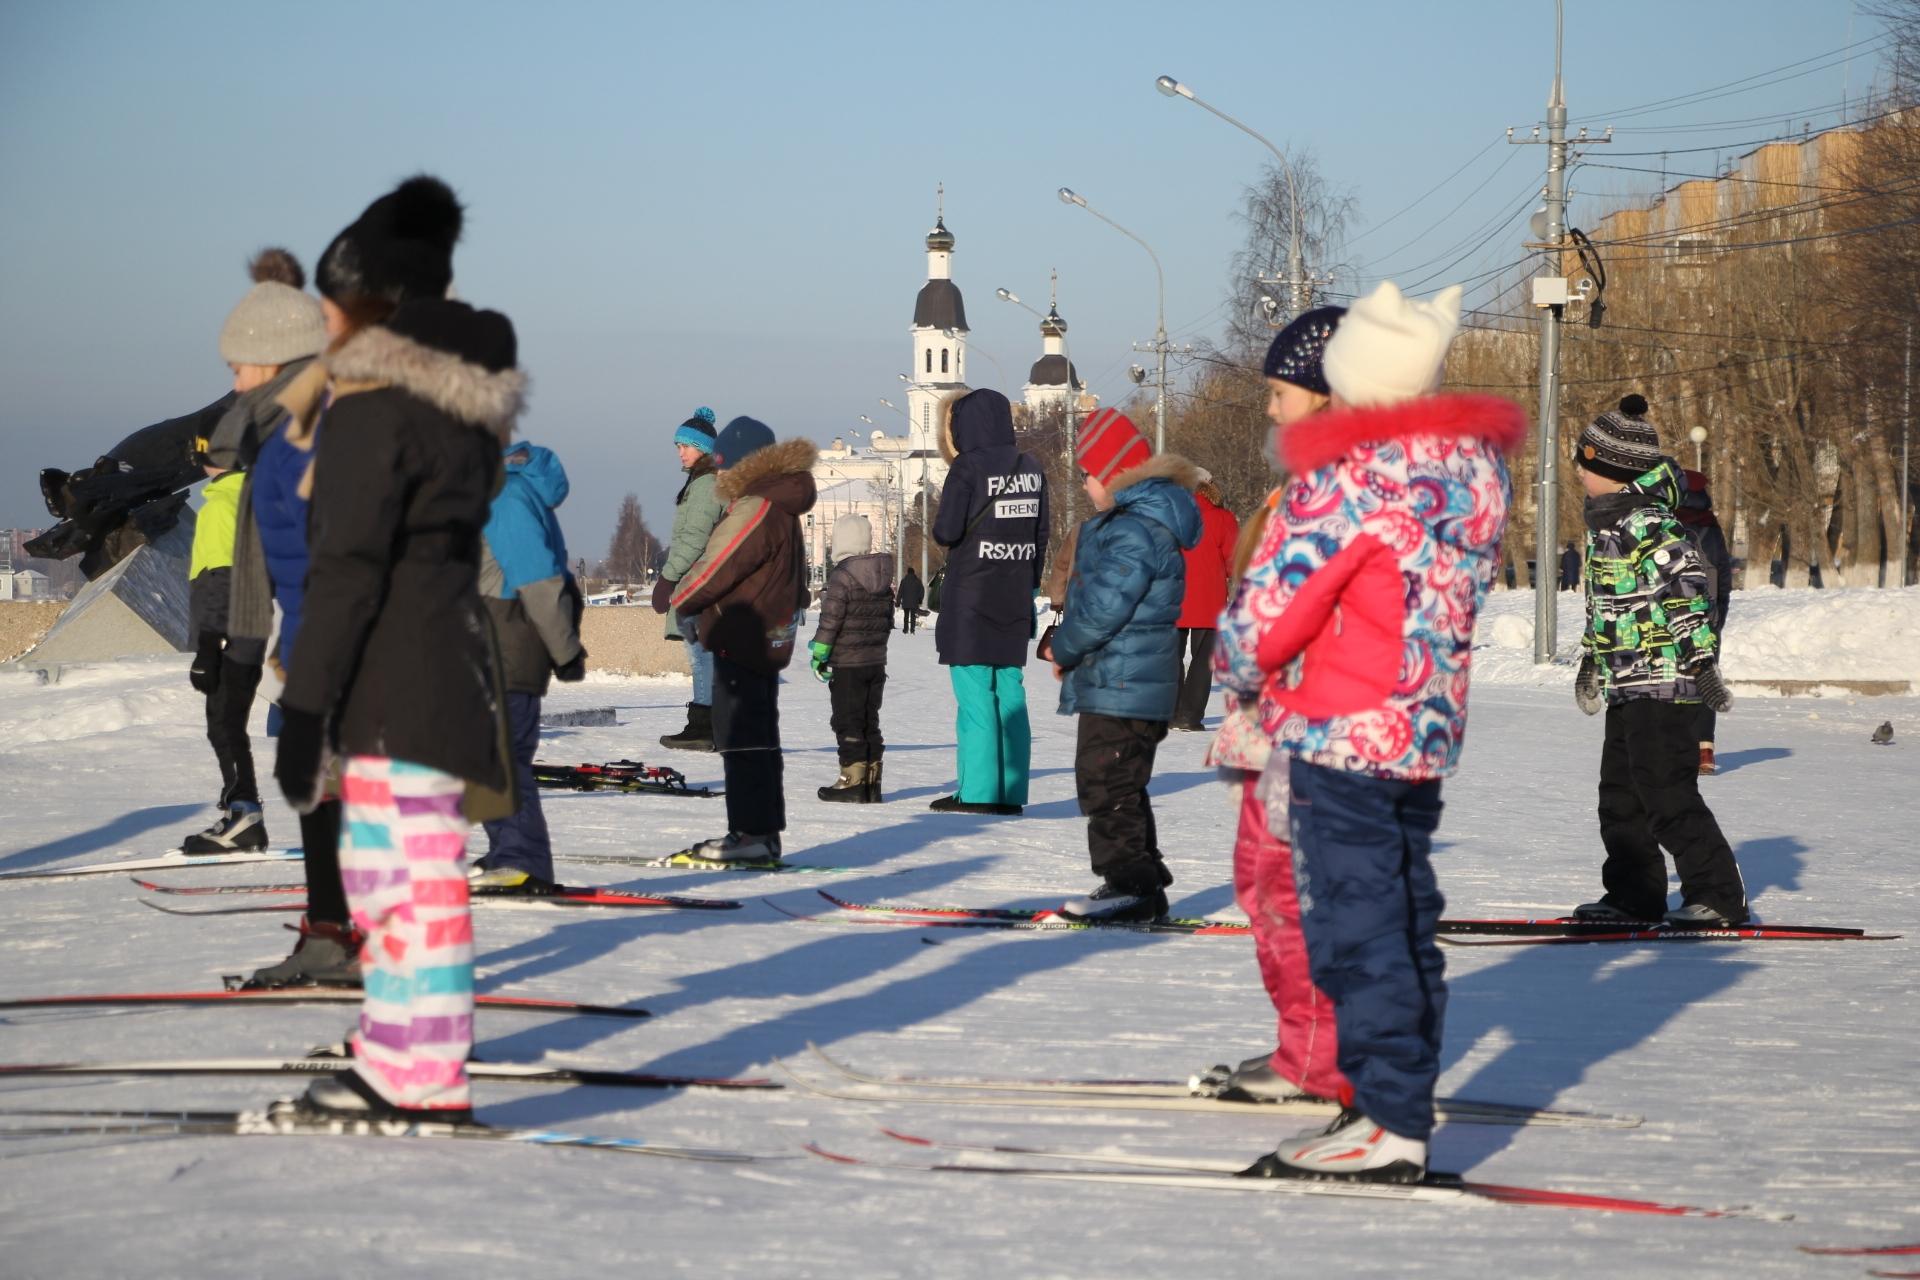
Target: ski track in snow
(1779, 1075)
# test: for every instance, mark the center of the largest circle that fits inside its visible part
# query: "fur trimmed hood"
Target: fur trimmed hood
(1313, 442)
(970, 420)
(1168, 466)
(784, 458)
(378, 357)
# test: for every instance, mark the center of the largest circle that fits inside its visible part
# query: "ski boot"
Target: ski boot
(732, 850)
(1254, 1080)
(241, 827)
(327, 955)
(1351, 1149)
(851, 786)
(348, 1097)
(873, 782)
(506, 882)
(1111, 904)
(1607, 912)
(1698, 915)
(698, 735)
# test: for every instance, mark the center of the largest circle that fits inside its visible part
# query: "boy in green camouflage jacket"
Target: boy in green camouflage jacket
(1649, 661)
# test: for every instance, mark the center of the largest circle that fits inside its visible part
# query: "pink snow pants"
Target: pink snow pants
(402, 846)
(1263, 887)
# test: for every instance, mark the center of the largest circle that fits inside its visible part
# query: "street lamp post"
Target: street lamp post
(1699, 437)
(897, 471)
(1160, 345)
(1072, 420)
(925, 531)
(1299, 288)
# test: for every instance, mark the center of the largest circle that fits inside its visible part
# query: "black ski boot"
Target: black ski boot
(851, 786)
(1111, 904)
(241, 827)
(698, 735)
(349, 1098)
(327, 955)
(873, 782)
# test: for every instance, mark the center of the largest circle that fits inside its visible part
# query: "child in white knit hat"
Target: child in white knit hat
(1392, 528)
(275, 324)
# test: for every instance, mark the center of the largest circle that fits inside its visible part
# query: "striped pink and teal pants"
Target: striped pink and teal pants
(402, 848)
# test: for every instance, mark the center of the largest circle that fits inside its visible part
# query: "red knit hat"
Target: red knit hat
(1110, 444)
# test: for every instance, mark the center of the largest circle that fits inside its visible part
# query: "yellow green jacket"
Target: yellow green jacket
(213, 530)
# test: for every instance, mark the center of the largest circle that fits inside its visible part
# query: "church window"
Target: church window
(929, 359)
(943, 359)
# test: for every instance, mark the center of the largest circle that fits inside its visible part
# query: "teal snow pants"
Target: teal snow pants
(995, 739)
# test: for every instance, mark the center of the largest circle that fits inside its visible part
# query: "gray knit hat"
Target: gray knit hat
(1620, 444)
(277, 322)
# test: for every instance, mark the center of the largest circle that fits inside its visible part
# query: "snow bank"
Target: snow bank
(1802, 635)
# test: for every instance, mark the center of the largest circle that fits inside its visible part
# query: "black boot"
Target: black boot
(850, 787)
(698, 735)
(873, 782)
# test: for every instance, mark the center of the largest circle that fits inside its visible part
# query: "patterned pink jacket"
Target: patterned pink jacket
(1354, 626)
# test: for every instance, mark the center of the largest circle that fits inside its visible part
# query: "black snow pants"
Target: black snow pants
(1650, 800)
(855, 695)
(228, 707)
(1112, 763)
(746, 733)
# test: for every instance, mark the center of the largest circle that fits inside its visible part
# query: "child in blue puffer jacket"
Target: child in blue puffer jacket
(1117, 653)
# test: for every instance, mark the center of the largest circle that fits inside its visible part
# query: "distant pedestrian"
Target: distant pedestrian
(1117, 653)
(1209, 562)
(536, 607)
(1703, 530)
(1570, 568)
(696, 509)
(913, 593)
(743, 597)
(993, 522)
(849, 651)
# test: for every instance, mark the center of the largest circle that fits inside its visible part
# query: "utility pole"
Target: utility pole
(1906, 424)
(1550, 296)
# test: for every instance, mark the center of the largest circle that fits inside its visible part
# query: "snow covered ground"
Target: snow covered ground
(1780, 1075)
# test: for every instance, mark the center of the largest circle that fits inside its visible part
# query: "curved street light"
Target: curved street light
(1160, 344)
(1299, 293)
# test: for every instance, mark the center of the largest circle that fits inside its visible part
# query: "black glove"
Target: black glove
(204, 674)
(573, 670)
(300, 767)
(1586, 687)
(663, 595)
(1713, 690)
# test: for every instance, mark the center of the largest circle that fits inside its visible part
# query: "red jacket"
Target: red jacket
(1209, 564)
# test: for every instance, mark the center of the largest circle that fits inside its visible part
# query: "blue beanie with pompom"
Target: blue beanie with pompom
(697, 430)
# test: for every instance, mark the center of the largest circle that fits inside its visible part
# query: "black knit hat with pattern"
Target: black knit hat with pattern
(1295, 353)
(1620, 444)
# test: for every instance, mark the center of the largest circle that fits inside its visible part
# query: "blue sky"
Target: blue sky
(724, 203)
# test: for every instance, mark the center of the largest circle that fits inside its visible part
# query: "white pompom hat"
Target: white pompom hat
(1389, 347)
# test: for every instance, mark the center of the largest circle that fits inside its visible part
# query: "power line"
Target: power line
(1729, 177)
(1428, 192)
(1731, 87)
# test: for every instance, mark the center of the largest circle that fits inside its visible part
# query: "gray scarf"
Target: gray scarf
(237, 439)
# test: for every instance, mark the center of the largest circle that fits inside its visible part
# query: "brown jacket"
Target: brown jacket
(749, 585)
(1060, 572)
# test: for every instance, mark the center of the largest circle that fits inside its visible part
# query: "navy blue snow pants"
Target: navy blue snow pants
(1362, 859)
(520, 843)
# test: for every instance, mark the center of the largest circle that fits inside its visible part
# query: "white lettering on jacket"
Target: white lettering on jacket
(1007, 550)
(1019, 482)
(1017, 509)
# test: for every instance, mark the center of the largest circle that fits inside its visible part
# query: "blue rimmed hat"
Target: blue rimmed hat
(697, 430)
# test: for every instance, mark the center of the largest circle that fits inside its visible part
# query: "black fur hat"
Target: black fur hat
(400, 248)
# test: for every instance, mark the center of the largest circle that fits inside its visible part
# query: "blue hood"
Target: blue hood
(540, 468)
(1163, 498)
